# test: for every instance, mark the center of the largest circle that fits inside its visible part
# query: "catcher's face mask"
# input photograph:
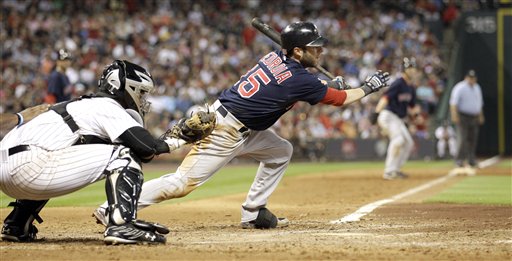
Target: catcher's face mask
(138, 85)
(130, 83)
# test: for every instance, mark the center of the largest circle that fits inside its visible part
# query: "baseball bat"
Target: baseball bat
(276, 37)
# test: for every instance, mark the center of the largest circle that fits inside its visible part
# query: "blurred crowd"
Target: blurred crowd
(196, 49)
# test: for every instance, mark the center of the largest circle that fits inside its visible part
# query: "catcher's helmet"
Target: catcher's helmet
(301, 34)
(408, 63)
(128, 84)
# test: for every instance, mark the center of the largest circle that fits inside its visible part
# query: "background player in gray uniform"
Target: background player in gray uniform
(398, 101)
(79, 142)
(244, 114)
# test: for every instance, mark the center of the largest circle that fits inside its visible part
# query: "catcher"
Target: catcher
(85, 140)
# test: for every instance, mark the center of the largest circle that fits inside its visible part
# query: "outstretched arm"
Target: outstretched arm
(344, 97)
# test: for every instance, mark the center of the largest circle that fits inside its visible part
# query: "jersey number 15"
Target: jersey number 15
(249, 87)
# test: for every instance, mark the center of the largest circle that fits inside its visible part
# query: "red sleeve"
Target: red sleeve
(334, 97)
(50, 99)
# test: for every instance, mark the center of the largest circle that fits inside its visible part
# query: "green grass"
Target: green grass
(490, 190)
(231, 179)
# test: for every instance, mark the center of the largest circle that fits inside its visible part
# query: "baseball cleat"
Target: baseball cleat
(129, 234)
(101, 217)
(281, 222)
(265, 220)
(395, 175)
(18, 234)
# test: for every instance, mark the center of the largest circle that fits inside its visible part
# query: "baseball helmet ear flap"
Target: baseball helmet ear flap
(113, 79)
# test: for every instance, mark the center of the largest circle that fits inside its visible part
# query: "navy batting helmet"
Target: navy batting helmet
(301, 34)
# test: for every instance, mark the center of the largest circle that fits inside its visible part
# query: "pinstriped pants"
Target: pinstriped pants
(38, 174)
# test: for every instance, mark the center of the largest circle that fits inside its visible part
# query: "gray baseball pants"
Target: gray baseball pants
(467, 133)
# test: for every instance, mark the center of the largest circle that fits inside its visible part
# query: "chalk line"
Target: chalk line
(367, 209)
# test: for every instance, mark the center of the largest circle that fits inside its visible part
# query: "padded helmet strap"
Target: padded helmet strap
(105, 86)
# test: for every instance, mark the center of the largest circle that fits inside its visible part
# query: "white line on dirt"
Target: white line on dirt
(489, 162)
(367, 209)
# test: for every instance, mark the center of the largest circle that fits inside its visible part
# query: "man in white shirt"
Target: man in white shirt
(466, 112)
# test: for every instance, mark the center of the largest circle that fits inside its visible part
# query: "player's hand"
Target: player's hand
(190, 130)
(455, 119)
(373, 118)
(341, 83)
(481, 119)
(174, 143)
(377, 81)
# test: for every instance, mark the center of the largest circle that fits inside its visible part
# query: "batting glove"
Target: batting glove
(340, 83)
(375, 82)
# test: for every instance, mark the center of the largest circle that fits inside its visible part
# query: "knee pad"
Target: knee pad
(123, 186)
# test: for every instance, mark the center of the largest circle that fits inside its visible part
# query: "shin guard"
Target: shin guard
(123, 187)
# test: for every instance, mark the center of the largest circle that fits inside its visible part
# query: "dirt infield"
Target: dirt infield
(208, 229)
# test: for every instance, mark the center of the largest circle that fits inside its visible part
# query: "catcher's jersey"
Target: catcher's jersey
(102, 117)
(270, 89)
(400, 96)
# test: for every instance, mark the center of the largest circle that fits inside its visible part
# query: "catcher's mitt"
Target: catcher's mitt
(193, 129)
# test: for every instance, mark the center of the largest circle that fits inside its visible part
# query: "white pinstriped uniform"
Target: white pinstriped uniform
(53, 167)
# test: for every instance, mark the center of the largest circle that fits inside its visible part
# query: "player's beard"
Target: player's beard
(308, 60)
